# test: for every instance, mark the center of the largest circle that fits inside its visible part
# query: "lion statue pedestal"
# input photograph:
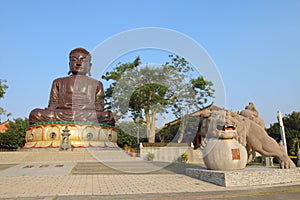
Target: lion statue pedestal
(82, 135)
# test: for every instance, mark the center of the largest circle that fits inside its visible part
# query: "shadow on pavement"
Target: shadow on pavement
(98, 168)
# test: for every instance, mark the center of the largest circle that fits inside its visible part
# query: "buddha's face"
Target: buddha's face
(80, 63)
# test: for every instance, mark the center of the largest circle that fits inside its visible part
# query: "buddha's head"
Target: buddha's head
(80, 62)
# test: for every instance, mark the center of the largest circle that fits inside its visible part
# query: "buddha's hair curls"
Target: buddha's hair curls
(80, 50)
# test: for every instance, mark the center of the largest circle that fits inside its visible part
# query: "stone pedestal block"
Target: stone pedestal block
(247, 177)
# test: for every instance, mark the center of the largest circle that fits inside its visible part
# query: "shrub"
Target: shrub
(184, 157)
(150, 156)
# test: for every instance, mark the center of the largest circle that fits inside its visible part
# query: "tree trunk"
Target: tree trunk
(148, 123)
(151, 138)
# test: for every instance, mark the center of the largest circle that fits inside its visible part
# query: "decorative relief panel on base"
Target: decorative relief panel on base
(48, 135)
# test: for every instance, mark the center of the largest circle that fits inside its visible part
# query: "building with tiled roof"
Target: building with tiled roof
(194, 114)
(4, 126)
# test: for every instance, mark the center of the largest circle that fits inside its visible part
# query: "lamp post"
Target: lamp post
(138, 135)
(282, 133)
(298, 156)
(139, 146)
(138, 131)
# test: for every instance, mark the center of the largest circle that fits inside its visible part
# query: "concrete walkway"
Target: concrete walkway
(76, 175)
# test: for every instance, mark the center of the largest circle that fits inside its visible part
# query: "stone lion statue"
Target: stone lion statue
(250, 132)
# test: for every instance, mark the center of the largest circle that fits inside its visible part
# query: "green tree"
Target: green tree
(145, 92)
(133, 128)
(130, 132)
(3, 88)
(182, 131)
(167, 134)
(124, 138)
(292, 122)
(15, 135)
(292, 131)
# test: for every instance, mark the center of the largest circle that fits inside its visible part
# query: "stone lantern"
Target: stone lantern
(65, 142)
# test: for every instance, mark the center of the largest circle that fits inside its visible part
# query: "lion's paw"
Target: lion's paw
(287, 164)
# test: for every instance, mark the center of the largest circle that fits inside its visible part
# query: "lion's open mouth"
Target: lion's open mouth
(228, 128)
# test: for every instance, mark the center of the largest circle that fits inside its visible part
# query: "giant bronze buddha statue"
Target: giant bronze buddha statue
(75, 99)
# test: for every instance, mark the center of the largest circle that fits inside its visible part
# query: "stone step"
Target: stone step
(44, 156)
(138, 167)
(114, 155)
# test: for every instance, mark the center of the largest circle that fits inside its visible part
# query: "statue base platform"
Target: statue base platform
(249, 176)
(82, 135)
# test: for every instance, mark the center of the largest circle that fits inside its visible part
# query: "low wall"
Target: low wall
(171, 153)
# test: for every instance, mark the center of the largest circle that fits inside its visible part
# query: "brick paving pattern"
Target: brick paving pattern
(77, 175)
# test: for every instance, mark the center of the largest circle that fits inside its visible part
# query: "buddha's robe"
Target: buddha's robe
(74, 98)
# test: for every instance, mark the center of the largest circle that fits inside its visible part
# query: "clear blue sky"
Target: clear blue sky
(254, 44)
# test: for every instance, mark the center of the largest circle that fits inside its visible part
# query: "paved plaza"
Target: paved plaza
(82, 175)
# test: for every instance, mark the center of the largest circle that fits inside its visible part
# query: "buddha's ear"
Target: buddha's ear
(69, 72)
(89, 69)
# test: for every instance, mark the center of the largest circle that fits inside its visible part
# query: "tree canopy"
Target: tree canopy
(3, 88)
(15, 135)
(143, 92)
(130, 132)
(292, 131)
